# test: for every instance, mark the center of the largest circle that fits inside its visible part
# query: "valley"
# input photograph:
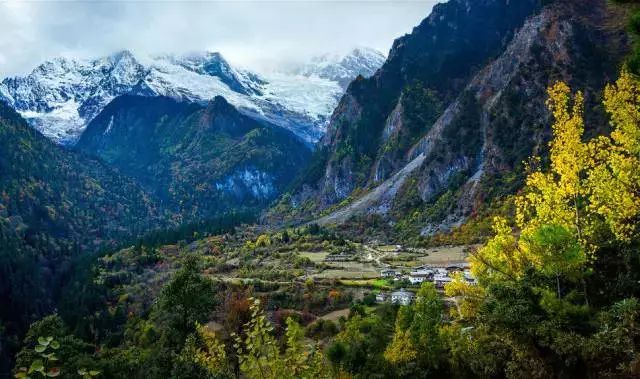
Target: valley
(467, 205)
(269, 265)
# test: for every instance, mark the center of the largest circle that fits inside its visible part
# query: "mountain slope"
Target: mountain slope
(380, 118)
(54, 206)
(199, 160)
(475, 151)
(470, 150)
(61, 96)
(50, 191)
(427, 67)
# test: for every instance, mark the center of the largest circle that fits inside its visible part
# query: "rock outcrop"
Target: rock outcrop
(493, 82)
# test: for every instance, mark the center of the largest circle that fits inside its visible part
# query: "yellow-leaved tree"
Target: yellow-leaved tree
(593, 187)
(589, 196)
(614, 180)
(557, 196)
(260, 355)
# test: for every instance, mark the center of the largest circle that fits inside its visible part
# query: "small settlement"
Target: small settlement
(402, 297)
(439, 275)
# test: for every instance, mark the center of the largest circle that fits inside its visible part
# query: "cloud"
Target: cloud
(255, 34)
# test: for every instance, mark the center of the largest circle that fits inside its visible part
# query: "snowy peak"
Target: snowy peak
(344, 68)
(124, 69)
(61, 96)
(213, 64)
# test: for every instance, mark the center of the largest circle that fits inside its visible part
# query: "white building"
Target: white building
(441, 280)
(381, 297)
(402, 297)
(417, 279)
(440, 271)
(422, 271)
(388, 273)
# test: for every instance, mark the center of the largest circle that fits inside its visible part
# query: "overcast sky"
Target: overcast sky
(253, 34)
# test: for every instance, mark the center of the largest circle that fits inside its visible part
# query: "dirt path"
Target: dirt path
(375, 255)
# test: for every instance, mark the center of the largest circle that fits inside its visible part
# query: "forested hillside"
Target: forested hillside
(199, 161)
(452, 135)
(56, 205)
(147, 164)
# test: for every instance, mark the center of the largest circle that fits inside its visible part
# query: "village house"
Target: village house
(457, 266)
(441, 280)
(417, 279)
(381, 297)
(440, 276)
(422, 271)
(440, 271)
(389, 273)
(402, 297)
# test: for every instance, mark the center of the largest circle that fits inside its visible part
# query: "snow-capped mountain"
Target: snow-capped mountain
(61, 96)
(344, 68)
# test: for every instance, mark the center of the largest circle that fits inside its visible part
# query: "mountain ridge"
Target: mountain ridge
(480, 137)
(379, 119)
(60, 96)
(200, 160)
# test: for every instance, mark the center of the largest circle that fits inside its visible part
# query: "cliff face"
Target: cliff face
(459, 105)
(476, 149)
(380, 118)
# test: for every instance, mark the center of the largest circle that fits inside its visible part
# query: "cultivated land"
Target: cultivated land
(270, 265)
(316, 275)
(335, 315)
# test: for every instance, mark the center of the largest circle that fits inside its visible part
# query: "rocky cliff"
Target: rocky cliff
(459, 105)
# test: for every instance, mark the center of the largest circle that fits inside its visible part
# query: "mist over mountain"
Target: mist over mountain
(343, 69)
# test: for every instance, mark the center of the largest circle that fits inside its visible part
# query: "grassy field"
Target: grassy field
(335, 315)
(363, 274)
(345, 274)
(387, 248)
(433, 256)
(349, 270)
(444, 255)
(370, 283)
(314, 257)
